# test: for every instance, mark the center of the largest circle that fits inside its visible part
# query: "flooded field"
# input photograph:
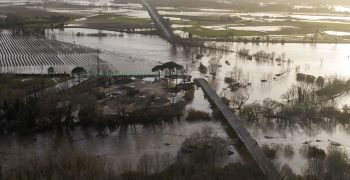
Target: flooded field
(260, 28)
(128, 53)
(18, 55)
(328, 60)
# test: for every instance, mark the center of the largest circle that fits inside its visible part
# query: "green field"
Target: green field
(115, 22)
(297, 28)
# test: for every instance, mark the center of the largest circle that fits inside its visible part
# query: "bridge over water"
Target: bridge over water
(252, 146)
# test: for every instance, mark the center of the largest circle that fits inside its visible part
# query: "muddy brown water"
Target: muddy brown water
(328, 60)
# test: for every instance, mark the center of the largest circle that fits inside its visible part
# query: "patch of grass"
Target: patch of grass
(204, 32)
(127, 20)
(300, 33)
(116, 22)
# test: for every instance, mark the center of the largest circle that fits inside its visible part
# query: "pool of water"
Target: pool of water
(260, 28)
(342, 8)
(337, 33)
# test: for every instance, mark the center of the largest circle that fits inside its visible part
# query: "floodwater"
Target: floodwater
(342, 9)
(338, 33)
(146, 51)
(121, 146)
(250, 28)
(135, 46)
(314, 17)
(328, 60)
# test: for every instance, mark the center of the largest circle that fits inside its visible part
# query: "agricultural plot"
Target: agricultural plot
(34, 55)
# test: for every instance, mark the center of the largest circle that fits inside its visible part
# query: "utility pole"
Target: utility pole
(98, 61)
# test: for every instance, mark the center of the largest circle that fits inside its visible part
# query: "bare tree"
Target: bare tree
(239, 100)
(187, 70)
(291, 94)
(270, 107)
(213, 67)
(236, 73)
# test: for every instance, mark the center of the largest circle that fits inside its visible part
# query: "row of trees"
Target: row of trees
(170, 69)
(30, 25)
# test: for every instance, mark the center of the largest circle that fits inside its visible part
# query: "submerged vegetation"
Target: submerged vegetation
(202, 156)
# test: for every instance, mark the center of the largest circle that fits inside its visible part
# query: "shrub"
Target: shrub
(229, 80)
(288, 151)
(189, 95)
(203, 69)
(205, 147)
(197, 115)
(301, 77)
(320, 81)
(270, 152)
(310, 78)
(314, 152)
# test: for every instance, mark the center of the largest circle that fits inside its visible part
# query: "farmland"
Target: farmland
(19, 52)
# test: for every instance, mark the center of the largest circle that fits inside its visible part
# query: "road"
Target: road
(252, 146)
(159, 22)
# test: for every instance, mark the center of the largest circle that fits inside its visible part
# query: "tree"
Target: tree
(186, 71)
(202, 69)
(214, 66)
(239, 101)
(79, 71)
(50, 71)
(236, 73)
(270, 107)
(158, 69)
(170, 68)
